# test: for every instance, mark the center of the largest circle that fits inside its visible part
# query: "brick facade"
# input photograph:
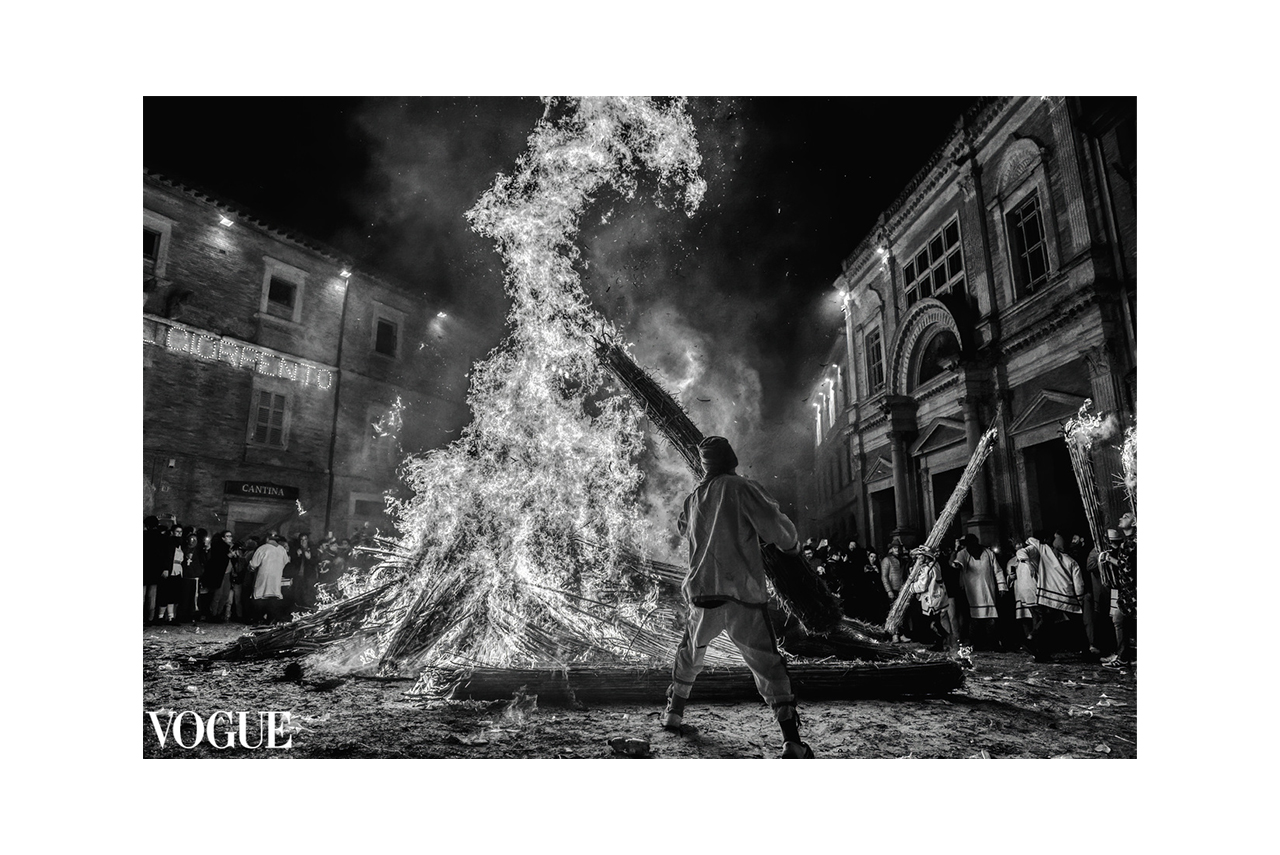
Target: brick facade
(217, 348)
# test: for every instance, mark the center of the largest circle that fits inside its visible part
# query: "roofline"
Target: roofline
(244, 215)
(970, 123)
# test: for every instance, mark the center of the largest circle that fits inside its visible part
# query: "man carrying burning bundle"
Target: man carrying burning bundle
(724, 519)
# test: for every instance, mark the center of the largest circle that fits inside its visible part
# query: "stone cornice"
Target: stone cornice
(1062, 313)
(936, 389)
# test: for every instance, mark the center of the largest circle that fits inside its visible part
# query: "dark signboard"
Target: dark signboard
(260, 490)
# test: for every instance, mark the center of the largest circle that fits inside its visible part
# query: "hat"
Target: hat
(716, 455)
(897, 541)
(1112, 534)
(1128, 521)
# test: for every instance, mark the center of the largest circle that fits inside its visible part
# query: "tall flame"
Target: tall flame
(517, 532)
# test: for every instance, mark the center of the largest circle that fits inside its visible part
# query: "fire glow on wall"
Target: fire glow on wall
(210, 347)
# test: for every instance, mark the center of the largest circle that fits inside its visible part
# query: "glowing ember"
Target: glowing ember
(1089, 428)
(517, 543)
(391, 421)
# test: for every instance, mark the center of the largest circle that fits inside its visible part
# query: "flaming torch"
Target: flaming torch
(1081, 433)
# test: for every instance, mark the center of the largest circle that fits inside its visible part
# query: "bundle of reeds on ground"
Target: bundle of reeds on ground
(615, 685)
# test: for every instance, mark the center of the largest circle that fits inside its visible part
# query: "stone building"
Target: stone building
(1000, 286)
(281, 384)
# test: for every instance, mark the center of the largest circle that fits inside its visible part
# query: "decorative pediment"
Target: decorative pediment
(940, 434)
(878, 470)
(1048, 408)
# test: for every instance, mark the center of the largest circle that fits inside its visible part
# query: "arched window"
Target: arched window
(938, 355)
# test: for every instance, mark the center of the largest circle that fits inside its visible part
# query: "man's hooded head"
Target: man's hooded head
(717, 457)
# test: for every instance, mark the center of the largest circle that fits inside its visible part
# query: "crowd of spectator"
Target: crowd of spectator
(194, 574)
(1050, 593)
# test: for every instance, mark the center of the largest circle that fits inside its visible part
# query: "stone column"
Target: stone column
(901, 494)
(983, 524)
(901, 410)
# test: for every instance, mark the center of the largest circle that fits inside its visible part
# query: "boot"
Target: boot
(796, 751)
(789, 720)
(673, 716)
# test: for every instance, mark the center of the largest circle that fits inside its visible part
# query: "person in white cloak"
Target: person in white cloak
(269, 560)
(724, 519)
(1026, 570)
(1059, 593)
(982, 585)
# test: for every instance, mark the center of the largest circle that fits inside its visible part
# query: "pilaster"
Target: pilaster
(1068, 158)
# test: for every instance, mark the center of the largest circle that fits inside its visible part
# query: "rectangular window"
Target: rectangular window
(283, 290)
(150, 245)
(268, 426)
(386, 338)
(875, 362)
(1030, 254)
(281, 297)
(367, 508)
(156, 233)
(938, 268)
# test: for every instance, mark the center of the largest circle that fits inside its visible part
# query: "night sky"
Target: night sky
(737, 297)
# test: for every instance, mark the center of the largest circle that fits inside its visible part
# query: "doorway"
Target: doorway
(1052, 490)
(884, 519)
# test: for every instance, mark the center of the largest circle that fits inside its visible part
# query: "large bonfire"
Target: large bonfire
(522, 542)
(523, 545)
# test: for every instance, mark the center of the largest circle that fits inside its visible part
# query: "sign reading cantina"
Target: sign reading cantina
(260, 490)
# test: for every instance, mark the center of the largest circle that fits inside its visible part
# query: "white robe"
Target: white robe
(978, 575)
(269, 561)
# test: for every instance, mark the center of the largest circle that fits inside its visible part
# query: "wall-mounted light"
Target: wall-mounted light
(223, 221)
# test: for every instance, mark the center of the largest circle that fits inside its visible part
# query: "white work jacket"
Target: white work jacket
(724, 520)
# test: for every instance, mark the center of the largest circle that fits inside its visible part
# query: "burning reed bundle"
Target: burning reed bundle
(596, 685)
(1129, 462)
(797, 585)
(927, 552)
(1080, 434)
(660, 406)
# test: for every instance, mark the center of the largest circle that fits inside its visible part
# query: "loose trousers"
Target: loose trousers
(749, 629)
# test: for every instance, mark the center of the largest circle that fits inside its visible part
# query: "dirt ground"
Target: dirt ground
(1008, 707)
